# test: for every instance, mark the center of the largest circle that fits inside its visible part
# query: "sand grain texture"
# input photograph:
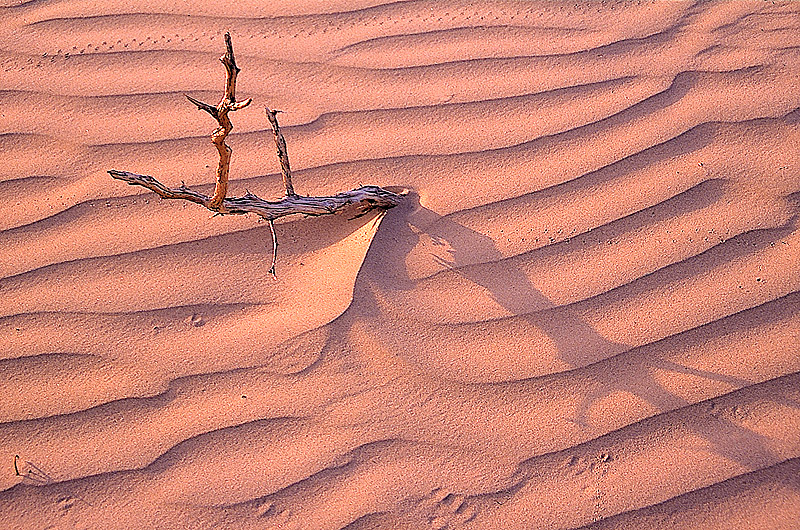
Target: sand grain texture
(586, 313)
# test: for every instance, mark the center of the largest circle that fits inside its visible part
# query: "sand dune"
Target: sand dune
(585, 313)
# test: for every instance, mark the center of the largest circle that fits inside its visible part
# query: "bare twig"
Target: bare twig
(274, 248)
(220, 113)
(34, 473)
(283, 156)
(365, 198)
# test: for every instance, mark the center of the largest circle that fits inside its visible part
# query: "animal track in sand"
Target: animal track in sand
(577, 466)
(146, 43)
(275, 516)
(66, 503)
(376, 20)
(442, 509)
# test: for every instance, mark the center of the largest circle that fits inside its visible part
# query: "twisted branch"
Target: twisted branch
(220, 113)
(365, 198)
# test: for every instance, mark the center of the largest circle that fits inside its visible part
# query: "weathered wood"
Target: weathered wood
(283, 155)
(220, 113)
(365, 198)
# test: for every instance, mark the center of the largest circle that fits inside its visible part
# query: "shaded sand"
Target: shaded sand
(586, 313)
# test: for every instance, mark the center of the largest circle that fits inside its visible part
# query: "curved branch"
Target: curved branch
(220, 113)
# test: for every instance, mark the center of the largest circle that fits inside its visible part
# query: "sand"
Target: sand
(585, 313)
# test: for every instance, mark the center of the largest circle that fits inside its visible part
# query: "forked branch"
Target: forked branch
(365, 198)
(220, 113)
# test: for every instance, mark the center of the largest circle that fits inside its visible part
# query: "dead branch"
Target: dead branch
(220, 113)
(365, 198)
(283, 155)
(274, 248)
(34, 473)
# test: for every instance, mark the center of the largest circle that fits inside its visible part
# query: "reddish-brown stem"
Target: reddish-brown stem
(220, 113)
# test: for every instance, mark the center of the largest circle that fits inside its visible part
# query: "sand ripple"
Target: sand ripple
(585, 314)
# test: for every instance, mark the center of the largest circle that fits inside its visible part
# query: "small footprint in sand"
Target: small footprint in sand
(276, 516)
(266, 509)
(733, 413)
(66, 503)
(578, 466)
(443, 510)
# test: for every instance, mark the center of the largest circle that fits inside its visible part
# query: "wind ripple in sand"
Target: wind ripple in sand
(585, 314)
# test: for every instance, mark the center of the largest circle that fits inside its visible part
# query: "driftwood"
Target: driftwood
(365, 198)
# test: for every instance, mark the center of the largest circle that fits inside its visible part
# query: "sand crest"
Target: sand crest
(585, 313)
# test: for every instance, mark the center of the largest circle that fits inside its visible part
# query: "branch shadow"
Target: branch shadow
(577, 342)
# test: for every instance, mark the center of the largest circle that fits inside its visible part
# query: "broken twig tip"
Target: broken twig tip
(274, 249)
(204, 106)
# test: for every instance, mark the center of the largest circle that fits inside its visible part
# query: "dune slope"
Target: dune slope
(585, 314)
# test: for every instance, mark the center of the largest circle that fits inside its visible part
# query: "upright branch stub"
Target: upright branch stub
(283, 156)
(220, 113)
